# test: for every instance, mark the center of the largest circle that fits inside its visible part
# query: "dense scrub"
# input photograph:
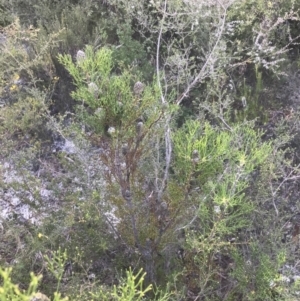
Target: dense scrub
(149, 150)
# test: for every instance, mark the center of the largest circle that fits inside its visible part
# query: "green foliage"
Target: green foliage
(252, 101)
(131, 289)
(25, 55)
(217, 164)
(11, 292)
(25, 117)
(199, 203)
(258, 276)
(108, 99)
(56, 264)
(206, 151)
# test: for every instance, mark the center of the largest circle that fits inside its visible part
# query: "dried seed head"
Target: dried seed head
(93, 89)
(127, 195)
(217, 209)
(195, 156)
(139, 127)
(39, 297)
(138, 88)
(123, 166)
(244, 101)
(125, 149)
(164, 205)
(80, 56)
(99, 111)
(91, 276)
(111, 130)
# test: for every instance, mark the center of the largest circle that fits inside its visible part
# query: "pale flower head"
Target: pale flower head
(80, 56)
(93, 89)
(138, 88)
(111, 130)
(139, 127)
(217, 209)
(99, 112)
(195, 156)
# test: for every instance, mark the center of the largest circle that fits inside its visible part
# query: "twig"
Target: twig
(202, 71)
(168, 144)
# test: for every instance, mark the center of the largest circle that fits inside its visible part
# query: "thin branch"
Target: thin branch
(168, 144)
(288, 178)
(158, 51)
(203, 69)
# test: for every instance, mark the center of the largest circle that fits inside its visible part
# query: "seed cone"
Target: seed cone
(138, 88)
